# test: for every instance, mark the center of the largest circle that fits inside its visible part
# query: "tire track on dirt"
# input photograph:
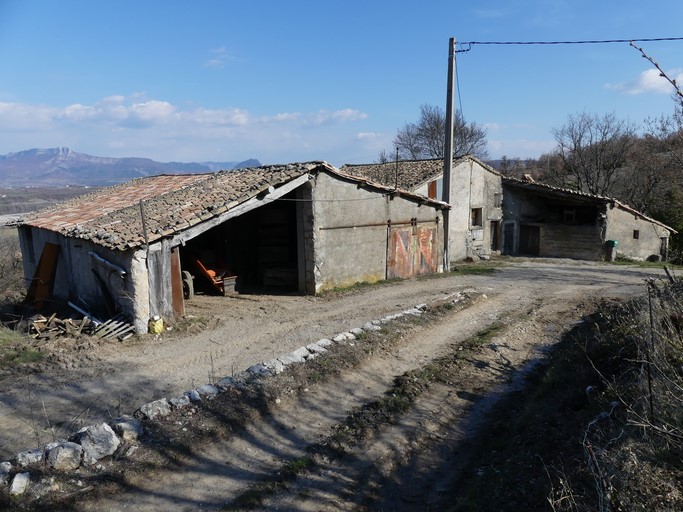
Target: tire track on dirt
(224, 470)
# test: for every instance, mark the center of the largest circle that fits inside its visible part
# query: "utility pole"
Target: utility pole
(448, 153)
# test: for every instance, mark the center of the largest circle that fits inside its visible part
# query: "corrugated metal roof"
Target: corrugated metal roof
(111, 217)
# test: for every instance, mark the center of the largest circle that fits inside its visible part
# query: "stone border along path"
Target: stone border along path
(93, 443)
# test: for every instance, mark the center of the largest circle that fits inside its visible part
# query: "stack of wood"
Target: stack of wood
(44, 328)
(41, 327)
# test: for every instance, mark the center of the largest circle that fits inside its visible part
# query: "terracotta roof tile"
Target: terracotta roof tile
(111, 217)
(407, 174)
(170, 202)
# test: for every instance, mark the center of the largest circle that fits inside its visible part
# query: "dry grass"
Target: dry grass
(600, 428)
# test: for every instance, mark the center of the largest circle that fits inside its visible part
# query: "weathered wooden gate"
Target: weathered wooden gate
(412, 250)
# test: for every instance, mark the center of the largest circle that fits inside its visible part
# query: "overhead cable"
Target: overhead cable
(467, 46)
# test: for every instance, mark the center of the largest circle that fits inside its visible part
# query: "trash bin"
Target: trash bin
(612, 249)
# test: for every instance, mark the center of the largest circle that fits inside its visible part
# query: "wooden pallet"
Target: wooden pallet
(115, 327)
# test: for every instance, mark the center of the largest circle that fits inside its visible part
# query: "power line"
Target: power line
(467, 46)
(457, 84)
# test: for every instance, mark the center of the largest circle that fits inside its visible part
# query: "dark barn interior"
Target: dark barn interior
(256, 251)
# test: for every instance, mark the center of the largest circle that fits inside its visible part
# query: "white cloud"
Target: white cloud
(324, 117)
(369, 136)
(519, 148)
(649, 81)
(219, 58)
(140, 126)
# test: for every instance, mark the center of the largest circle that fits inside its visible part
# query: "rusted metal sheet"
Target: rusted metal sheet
(428, 250)
(400, 255)
(412, 251)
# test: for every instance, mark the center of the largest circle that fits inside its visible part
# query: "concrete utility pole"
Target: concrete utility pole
(448, 153)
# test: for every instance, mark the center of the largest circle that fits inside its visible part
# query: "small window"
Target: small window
(569, 216)
(477, 217)
(497, 200)
(431, 190)
(435, 189)
(636, 234)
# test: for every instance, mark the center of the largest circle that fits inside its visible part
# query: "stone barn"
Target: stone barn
(140, 248)
(541, 220)
(476, 194)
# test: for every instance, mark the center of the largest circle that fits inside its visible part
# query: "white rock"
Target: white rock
(258, 370)
(98, 441)
(193, 395)
(179, 402)
(290, 358)
(314, 348)
(371, 327)
(157, 408)
(324, 342)
(29, 457)
(5, 468)
(130, 429)
(208, 390)
(275, 366)
(19, 484)
(303, 352)
(356, 331)
(226, 382)
(64, 456)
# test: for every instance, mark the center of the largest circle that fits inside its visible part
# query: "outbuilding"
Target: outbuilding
(475, 198)
(541, 220)
(302, 227)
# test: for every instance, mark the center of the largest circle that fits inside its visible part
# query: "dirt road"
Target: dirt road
(103, 380)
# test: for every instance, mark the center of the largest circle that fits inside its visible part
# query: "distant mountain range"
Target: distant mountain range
(58, 167)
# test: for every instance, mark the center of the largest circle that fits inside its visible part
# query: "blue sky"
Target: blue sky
(316, 80)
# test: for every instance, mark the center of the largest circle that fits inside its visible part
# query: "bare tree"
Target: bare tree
(426, 137)
(593, 149)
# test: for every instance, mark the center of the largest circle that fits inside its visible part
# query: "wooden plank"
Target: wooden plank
(178, 302)
(42, 283)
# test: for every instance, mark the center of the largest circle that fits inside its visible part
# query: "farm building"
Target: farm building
(302, 227)
(494, 214)
(476, 194)
(541, 220)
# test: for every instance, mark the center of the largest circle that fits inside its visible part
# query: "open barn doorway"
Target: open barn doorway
(256, 252)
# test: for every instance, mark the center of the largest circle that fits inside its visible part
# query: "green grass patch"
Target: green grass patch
(485, 335)
(363, 285)
(477, 269)
(15, 350)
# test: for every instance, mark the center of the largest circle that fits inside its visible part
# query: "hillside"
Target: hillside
(59, 167)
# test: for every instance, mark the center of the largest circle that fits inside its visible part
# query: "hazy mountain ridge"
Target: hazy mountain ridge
(55, 167)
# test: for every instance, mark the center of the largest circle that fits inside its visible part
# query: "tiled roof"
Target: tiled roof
(569, 193)
(408, 174)
(111, 217)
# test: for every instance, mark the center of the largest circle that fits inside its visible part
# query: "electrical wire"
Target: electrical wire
(467, 46)
(457, 85)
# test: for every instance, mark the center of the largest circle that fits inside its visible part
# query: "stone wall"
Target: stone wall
(351, 228)
(622, 226)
